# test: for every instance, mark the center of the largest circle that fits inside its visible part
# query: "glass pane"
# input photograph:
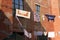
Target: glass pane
(16, 6)
(37, 12)
(21, 2)
(21, 7)
(16, 1)
(38, 8)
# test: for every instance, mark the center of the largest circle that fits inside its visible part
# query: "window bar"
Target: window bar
(18, 4)
(14, 11)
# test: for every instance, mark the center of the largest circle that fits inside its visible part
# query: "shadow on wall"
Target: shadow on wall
(30, 22)
(4, 25)
(27, 23)
(39, 27)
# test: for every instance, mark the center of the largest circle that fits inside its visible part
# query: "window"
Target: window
(37, 9)
(38, 13)
(18, 4)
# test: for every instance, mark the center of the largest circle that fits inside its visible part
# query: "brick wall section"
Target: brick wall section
(44, 8)
(48, 25)
(29, 5)
(0, 3)
(6, 8)
(56, 12)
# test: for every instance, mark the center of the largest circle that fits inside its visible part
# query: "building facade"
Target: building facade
(38, 21)
(52, 26)
(9, 9)
(6, 18)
